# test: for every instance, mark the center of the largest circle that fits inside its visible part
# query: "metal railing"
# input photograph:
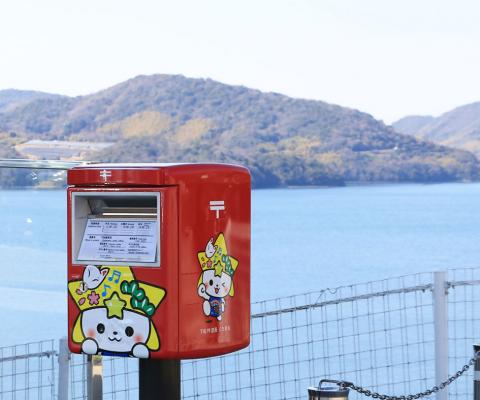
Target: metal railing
(398, 336)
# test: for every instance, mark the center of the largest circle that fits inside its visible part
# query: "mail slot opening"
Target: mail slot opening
(116, 228)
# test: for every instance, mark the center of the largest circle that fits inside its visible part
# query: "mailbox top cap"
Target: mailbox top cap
(154, 174)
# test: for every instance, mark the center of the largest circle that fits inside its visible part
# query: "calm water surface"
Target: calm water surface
(302, 240)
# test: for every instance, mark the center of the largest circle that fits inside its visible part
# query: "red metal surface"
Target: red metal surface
(188, 224)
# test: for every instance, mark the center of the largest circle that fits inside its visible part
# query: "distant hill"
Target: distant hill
(11, 98)
(458, 128)
(412, 124)
(284, 141)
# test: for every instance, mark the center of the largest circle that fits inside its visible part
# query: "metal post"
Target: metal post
(159, 379)
(94, 378)
(476, 376)
(440, 320)
(63, 368)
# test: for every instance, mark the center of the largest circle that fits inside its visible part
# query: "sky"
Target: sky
(386, 57)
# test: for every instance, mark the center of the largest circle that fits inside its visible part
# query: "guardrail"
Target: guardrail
(399, 336)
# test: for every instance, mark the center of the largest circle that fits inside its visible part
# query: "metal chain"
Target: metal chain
(434, 389)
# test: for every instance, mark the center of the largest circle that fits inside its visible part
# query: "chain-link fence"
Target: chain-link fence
(28, 371)
(398, 336)
(379, 333)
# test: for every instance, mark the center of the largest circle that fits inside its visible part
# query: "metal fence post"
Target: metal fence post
(63, 368)
(94, 378)
(440, 323)
(476, 376)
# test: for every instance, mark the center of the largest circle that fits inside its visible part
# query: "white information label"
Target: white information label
(114, 240)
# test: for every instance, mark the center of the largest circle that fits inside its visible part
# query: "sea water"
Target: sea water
(302, 240)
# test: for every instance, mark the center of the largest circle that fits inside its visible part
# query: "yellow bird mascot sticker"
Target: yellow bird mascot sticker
(115, 312)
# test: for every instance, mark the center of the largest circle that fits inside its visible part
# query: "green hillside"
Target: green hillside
(11, 177)
(284, 141)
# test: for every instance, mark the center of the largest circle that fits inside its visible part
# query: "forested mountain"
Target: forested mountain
(284, 141)
(458, 128)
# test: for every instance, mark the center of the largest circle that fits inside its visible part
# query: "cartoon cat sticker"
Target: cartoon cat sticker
(210, 249)
(92, 278)
(115, 315)
(216, 280)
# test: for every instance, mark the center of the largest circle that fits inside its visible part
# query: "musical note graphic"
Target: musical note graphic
(104, 293)
(115, 274)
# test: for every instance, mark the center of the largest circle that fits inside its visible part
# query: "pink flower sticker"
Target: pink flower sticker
(93, 298)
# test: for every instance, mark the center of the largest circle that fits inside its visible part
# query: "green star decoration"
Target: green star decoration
(115, 306)
(218, 269)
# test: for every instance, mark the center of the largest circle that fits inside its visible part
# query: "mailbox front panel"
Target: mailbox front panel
(123, 271)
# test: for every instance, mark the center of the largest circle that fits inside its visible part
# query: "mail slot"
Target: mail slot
(158, 259)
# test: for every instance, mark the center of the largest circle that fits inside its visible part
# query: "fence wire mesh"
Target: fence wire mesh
(464, 324)
(378, 334)
(28, 371)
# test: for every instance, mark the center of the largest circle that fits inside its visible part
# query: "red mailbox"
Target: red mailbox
(158, 259)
